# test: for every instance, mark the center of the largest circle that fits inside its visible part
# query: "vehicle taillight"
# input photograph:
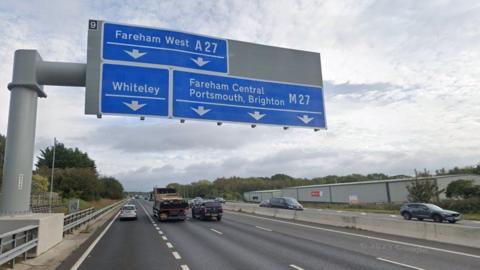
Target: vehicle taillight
(220, 210)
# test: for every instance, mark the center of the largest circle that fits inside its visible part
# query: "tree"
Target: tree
(462, 189)
(64, 158)
(39, 184)
(110, 188)
(423, 190)
(77, 183)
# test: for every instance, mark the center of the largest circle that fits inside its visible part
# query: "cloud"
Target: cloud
(401, 87)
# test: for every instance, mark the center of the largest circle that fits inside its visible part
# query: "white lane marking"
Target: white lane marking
(296, 267)
(164, 238)
(320, 210)
(169, 245)
(364, 236)
(90, 248)
(157, 228)
(476, 221)
(401, 264)
(393, 215)
(185, 267)
(160, 232)
(213, 230)
(176, 255)
(363, 213)
(262, 228)
(339, 211)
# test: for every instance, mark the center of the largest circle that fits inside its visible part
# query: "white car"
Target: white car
(128, 211)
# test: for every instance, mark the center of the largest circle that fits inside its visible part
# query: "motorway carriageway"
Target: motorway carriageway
(464, 223)
(242, 241)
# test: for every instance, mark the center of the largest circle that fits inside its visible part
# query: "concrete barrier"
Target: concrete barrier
(439, 232)
(284, 213)
(265, 211)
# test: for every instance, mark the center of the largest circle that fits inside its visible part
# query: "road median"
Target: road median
(439, 232)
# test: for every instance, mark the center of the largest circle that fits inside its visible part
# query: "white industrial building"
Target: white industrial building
(379, 191)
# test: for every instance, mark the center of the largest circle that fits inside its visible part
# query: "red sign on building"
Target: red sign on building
(316, 193)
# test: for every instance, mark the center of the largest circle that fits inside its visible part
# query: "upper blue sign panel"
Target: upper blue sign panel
(132, 90)
(231, 99)
(156, 46)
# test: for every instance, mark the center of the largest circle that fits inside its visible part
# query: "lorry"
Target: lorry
(168, 205)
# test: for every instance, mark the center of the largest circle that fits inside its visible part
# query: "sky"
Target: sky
(401, 83)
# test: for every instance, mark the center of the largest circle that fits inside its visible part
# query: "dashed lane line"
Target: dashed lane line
(176, 255)
(401, 264)
(169, 245)
(213, 230)
(185, 267)
(164, 238)
(296, 267)
(262, 228)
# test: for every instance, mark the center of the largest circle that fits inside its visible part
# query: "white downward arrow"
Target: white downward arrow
(200, 110)
(257, 115)
(135, 53)
(305, 119)
(134, 105)
(199, 61)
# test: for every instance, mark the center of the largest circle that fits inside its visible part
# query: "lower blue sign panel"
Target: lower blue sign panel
(231, 99)
(132, 90)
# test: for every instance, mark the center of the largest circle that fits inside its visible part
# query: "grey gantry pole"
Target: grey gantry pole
(51, 180)
(30, 73)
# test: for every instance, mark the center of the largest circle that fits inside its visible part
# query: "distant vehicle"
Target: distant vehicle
(220, 200)
(195, 201)
(285, 202)
(128, 211)
(422, 211)
(168, 205)
(207, 209)
(265, 203)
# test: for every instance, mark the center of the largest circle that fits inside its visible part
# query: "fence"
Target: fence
(74, 220)
(40, 203)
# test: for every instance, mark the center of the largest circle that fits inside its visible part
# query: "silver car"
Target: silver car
(128, 211)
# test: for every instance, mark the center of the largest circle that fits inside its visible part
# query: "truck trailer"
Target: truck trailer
(168, 205)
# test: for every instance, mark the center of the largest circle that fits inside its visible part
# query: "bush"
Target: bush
(423, 190)
(462, 189)
(470, 205)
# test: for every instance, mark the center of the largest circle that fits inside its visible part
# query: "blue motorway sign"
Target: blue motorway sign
(134, 90)
(164, 47)
(231, 99)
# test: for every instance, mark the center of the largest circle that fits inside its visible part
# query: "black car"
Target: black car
(207, 209)
(422, 211)
(286, 203)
